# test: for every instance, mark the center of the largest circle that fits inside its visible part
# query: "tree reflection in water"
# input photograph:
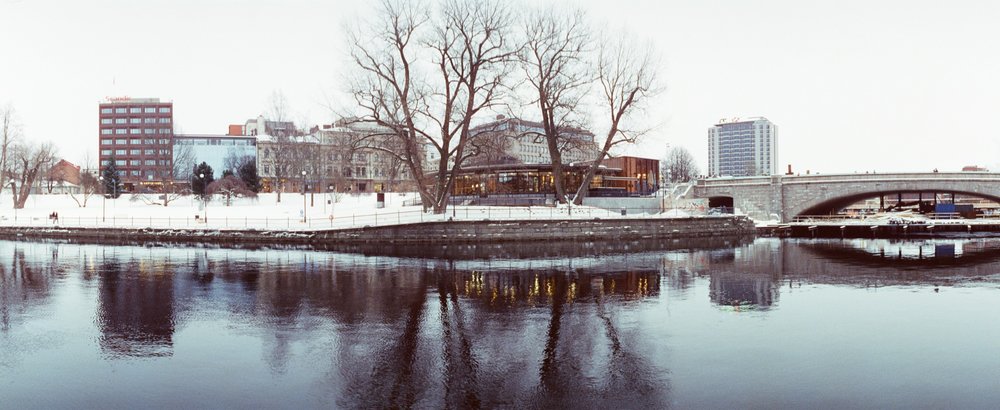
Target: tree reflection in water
(401, 331)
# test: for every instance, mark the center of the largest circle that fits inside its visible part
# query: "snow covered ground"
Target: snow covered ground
(322, 211)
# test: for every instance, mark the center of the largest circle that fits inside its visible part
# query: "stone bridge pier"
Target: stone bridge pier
(782, 198)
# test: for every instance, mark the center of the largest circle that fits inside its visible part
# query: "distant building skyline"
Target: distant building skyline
(743, 147)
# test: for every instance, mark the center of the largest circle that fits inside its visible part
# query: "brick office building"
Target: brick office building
(137, 134)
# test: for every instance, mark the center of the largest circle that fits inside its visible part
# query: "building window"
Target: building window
(121, 131)
(134, 162)
(135, 141)
(105, 152)
(120, 162)
(104, 162)
(150, 162)
(149, 152)
(149, 131)
(164, 110)
(119, 152)
(120, 110)
(121, 141)
(135, 110)
(149, 110)
(164, 130)
(135, 152)
(135, 131)
(105, 111)
(105, 121)
(106, 132)
(149, 120)
(120, 120)
(164, 141)
(164, 120)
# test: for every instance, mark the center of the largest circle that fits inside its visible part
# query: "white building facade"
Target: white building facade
(513, 140)
(743, 147)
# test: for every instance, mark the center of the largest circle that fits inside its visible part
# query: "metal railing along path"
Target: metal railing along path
(335, 221)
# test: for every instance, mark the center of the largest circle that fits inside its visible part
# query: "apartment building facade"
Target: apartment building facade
(137, 135)
(743, 147)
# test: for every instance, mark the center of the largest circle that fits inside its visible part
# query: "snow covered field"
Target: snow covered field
(321, 211)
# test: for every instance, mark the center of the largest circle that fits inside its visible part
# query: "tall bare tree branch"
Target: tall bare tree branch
(554, 61)
(432, 106)
(626, 73)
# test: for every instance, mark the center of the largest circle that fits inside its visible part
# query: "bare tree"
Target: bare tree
(229, 187)
(492, 148)
(281, 152)
(235, 160)
(554, 61)
(184, 162)
(89, 184)
(28, 161)
(680, 165)
(470, 45)
(10, 130)
(627, 77)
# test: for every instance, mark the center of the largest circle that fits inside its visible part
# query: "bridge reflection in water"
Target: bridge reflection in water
(400, 331)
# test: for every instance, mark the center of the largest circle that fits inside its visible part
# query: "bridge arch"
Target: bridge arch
(791, 196)
(836, 201)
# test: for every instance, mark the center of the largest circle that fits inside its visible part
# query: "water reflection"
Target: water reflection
(400, 331)
(26, 279)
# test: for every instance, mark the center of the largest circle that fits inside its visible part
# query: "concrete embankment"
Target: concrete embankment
(422, 233)
(833, 230)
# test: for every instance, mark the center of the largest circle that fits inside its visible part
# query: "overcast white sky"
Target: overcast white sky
(852, 85)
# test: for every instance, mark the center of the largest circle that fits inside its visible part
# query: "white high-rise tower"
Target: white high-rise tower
(743, 147)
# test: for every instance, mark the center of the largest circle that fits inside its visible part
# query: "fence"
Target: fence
(832, 218)
(331, 222)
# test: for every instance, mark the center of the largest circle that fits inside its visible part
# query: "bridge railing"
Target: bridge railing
(965, 176)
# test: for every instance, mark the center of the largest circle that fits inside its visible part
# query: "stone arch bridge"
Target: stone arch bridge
(785, 197)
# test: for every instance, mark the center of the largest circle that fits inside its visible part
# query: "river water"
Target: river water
(763, 323)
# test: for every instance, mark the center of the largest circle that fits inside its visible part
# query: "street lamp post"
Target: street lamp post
(13, 186)
(104, 197)
(303, 196)
(670, 191)
(204, 203)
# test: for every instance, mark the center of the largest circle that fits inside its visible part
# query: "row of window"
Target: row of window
(123, 152)
(214, 141)
(134, 120)
(135, 110)
(135, 141)
(136, 162)
(360, 172)
(135, 131)
(356, 157)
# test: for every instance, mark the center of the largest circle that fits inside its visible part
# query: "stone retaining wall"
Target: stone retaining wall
(427, 232)
(545, 230)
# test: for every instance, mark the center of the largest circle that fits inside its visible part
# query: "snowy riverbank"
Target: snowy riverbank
(295, 212)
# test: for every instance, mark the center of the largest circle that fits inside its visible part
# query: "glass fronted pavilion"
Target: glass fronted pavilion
(537, 179)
